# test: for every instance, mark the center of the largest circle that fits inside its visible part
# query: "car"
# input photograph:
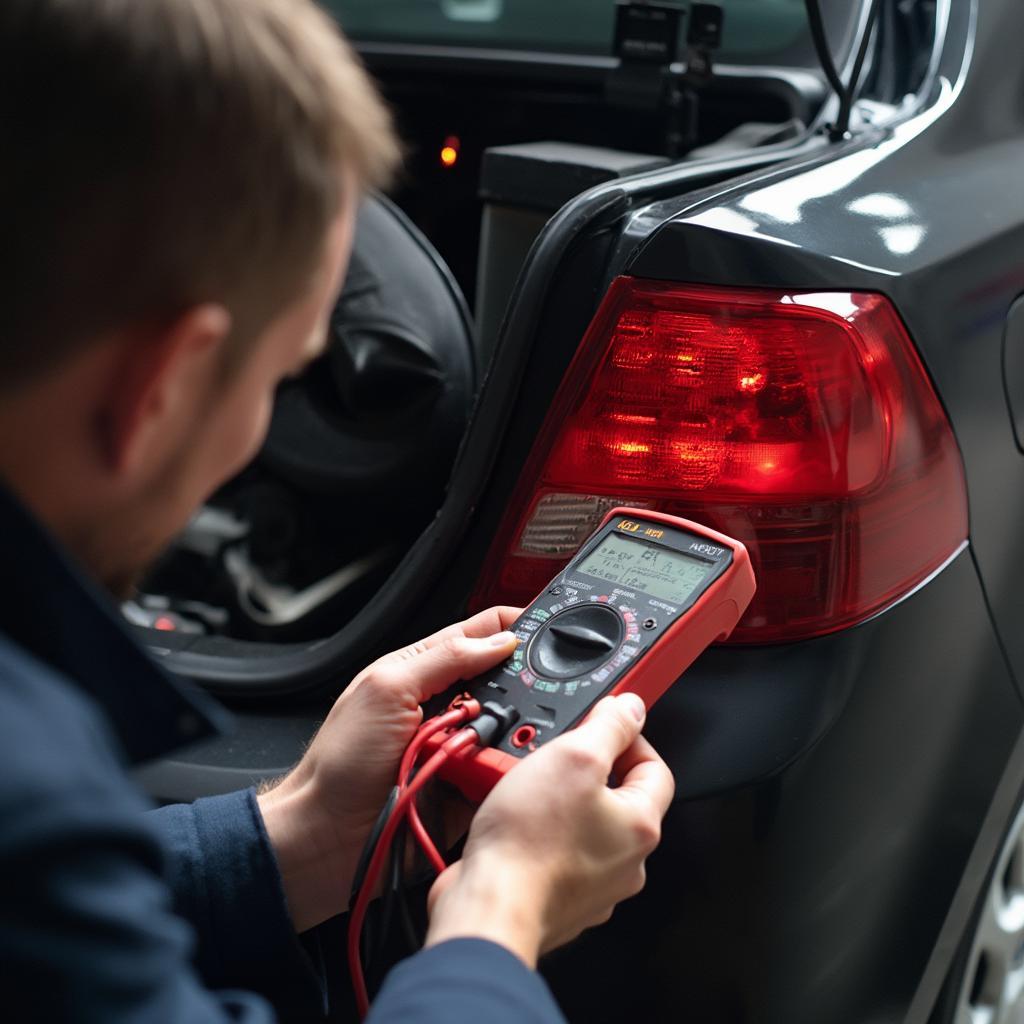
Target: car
(706, 282)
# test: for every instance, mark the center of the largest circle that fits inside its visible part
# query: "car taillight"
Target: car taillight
(803, 425)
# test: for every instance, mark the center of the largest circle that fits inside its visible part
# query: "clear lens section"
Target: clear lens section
(562, 522)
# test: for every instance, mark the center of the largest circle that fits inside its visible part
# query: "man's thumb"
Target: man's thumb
(613, 725)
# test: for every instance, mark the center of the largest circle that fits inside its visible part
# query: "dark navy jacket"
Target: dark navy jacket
(111, 911)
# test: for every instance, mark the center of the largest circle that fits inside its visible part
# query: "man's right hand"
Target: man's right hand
(554, 848)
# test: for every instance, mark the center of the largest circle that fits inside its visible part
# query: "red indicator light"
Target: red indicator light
(805, 426)
(165, 622)
(450, 151)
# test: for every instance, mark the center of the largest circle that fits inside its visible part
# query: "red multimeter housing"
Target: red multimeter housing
(643, 596)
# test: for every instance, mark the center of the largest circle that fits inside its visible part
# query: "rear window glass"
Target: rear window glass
(754, 31)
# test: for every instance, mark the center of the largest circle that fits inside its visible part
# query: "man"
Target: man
(178, 186)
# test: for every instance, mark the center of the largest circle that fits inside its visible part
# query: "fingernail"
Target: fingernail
(635, 705)
(502, 639)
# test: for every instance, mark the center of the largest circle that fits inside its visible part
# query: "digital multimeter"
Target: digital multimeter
(643, 596)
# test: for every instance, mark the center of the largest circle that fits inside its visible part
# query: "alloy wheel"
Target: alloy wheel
(992, 990)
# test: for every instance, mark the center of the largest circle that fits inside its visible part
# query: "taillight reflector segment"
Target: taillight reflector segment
(802, 424)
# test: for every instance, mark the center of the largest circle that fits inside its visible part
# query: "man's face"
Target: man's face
(230, 426)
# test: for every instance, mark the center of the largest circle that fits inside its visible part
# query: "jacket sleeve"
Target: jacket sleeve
(224, 877)
(464, 981)
(87, 927)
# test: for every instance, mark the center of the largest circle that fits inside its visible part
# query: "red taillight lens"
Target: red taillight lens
(804, 425)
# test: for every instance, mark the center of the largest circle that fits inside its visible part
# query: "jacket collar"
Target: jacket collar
(49, 607)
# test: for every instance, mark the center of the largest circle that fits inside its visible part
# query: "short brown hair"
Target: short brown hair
(161, 153)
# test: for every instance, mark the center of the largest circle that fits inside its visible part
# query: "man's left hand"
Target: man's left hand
(319, 816)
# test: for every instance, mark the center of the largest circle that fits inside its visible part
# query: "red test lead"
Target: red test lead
(461, 740)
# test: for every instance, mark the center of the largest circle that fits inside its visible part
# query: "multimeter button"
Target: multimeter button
(576, 642)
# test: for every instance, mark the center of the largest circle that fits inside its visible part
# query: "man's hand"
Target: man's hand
(553, 848)
(318, 817)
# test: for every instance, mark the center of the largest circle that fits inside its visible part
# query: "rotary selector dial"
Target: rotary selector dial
(576, 642)
(586, 624)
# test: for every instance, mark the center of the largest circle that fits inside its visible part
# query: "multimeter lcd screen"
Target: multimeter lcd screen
(669, 575)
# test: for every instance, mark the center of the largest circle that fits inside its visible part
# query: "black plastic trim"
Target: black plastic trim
(802, 89)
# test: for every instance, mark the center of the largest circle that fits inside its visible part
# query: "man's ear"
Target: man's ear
(158, 377)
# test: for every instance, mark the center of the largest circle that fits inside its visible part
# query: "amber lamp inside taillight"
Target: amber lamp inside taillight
(803, 425)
